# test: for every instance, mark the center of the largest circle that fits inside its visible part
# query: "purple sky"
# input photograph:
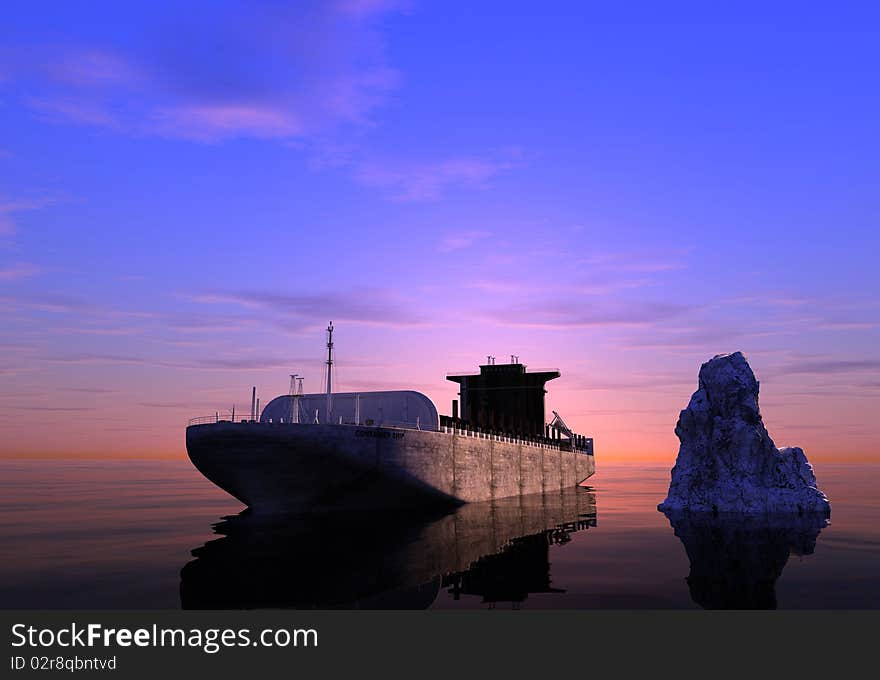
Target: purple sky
(188, 196)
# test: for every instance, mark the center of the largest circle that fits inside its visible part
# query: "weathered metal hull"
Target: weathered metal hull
(286, 467)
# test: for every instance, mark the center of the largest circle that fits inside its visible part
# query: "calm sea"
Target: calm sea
(139, 534)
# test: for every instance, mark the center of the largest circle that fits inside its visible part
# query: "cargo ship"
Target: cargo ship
(374, 450)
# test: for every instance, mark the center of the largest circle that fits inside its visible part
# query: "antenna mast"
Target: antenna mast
(329, 409)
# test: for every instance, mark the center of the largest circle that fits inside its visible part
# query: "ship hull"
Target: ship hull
(287, 467)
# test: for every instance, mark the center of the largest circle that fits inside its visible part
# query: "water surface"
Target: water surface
(133, 534)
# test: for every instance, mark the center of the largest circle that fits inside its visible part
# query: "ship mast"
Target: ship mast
(329, 409)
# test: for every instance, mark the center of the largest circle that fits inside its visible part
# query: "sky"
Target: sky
(188, 194)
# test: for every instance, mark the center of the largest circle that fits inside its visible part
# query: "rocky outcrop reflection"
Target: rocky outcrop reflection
(737, 559)
(496, 550)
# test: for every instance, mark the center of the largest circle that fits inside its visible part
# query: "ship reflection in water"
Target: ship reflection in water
(736, 560)
(496, 550)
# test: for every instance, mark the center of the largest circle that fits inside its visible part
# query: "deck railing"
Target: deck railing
(579, 444)
(584, 444)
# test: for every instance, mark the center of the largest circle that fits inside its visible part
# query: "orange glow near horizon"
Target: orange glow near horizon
(627, 423)
(177, 225)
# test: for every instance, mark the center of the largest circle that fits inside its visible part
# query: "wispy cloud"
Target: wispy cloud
(371, 7)
(408, 181)
(461, 240)
(247, 363)
(300, 74)
(91, 68)
(514, 268)
(284, 72)
(650, 382)
(19, 270)
(635, 261)
(165, 404)
(811, 313)
(114, 330)
(212, 123)
(210, 323)
(830, 367)
(235, 363)
(847, 325)
(10, 206)
(57, 409)
(47, 302)
(72, 109)
(769, 299)
(553, 314)
(373, 307)
(89, 390)
(608, 285)
(690, 339)
(9, 369)
(498, 286)
(87, 358)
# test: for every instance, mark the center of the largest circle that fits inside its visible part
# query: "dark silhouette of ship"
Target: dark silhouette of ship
(305, 452)
(496, 550)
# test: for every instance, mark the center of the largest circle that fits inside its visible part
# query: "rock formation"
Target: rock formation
(727, 463)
